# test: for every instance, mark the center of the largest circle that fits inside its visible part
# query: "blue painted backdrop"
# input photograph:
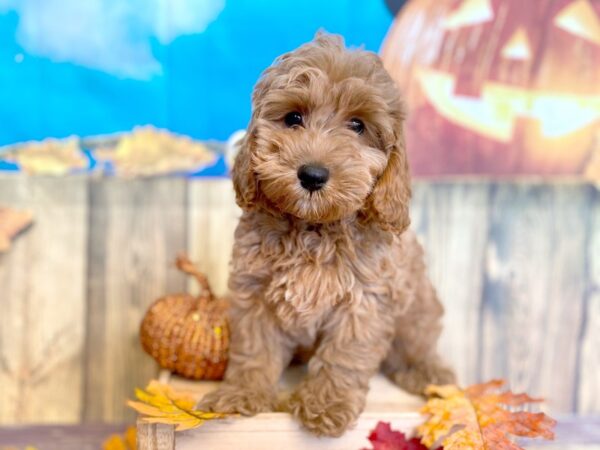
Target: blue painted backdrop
(90, 67)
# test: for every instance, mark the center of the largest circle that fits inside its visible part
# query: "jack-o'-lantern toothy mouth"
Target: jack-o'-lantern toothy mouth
(495, 112)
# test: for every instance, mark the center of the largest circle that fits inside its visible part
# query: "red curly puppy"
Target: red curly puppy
(322, 258)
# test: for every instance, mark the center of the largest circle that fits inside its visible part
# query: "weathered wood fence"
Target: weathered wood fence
(516, 264)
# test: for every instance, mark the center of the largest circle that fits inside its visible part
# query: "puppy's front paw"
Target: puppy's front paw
(232, 398)
(323, 409)
(417, 377)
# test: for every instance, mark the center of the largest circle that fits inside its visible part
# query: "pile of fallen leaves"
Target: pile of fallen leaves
(474, 418)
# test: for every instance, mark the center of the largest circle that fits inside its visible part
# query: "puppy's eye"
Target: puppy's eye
(293, 119)
(356, 125)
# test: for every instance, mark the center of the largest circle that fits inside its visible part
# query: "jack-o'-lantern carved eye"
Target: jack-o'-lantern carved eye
(469, 13)
(580, 19)
(518, 46)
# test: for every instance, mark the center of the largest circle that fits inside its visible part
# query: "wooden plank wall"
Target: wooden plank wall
(532, 309)
(42, 307)
(451, 221)
(213, 216)
(588, 373)
(517, 266)
(135, 230)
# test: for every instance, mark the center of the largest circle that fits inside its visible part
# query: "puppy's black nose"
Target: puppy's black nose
(312, 177)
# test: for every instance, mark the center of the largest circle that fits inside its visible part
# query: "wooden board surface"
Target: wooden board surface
(534, 288)
(57, 437)
(588, 364)
(213, 216)
(42, 302)
(451, 220)
(260, 433)
(385, 402)
(136, 230)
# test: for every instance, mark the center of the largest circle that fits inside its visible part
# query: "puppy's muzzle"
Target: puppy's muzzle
(313, 177)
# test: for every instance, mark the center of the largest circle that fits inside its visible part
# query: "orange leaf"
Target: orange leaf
(118, 442)
(131, 437)
(476, 418)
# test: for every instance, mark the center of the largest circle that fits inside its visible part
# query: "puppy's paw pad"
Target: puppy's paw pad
(230, 398)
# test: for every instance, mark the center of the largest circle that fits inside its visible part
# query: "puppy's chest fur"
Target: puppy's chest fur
(309, 271)
(308, 276)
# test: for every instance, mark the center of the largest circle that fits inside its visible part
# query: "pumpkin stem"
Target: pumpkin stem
(185, 265)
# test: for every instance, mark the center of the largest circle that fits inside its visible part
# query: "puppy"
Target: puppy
(322, 257)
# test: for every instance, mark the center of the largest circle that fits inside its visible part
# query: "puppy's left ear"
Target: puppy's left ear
(389, 202)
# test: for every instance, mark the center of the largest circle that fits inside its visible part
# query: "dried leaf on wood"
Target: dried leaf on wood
(384, 438)
(127, 441)
(477, 418)
(160, 403)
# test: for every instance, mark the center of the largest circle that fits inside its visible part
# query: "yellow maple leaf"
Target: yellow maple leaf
(476, 418)
(160, 403)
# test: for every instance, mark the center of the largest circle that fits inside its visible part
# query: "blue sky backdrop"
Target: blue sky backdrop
(101, 66)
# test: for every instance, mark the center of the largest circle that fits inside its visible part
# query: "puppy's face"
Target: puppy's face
(326, 123)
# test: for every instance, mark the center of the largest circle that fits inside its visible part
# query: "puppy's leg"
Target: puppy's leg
(413, 362)
(332, 395)
(258, 354)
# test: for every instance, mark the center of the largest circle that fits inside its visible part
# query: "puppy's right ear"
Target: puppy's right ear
(242, 174)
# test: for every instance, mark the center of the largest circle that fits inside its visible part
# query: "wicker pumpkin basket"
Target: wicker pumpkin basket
(188, 335)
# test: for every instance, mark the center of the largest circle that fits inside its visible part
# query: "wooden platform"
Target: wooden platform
(385, 402)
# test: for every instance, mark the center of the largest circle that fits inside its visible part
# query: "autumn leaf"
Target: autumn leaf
(384, 438)
(127, 441)
(160, 403)
(12, 222)
(476, 418)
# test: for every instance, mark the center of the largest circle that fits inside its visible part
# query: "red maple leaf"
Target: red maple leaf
(384, 438)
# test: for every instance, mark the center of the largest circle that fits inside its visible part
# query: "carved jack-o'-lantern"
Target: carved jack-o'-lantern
(498, 86)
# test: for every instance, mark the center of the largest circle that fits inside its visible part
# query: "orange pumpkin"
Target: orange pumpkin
(498, 86)
(188, 335)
